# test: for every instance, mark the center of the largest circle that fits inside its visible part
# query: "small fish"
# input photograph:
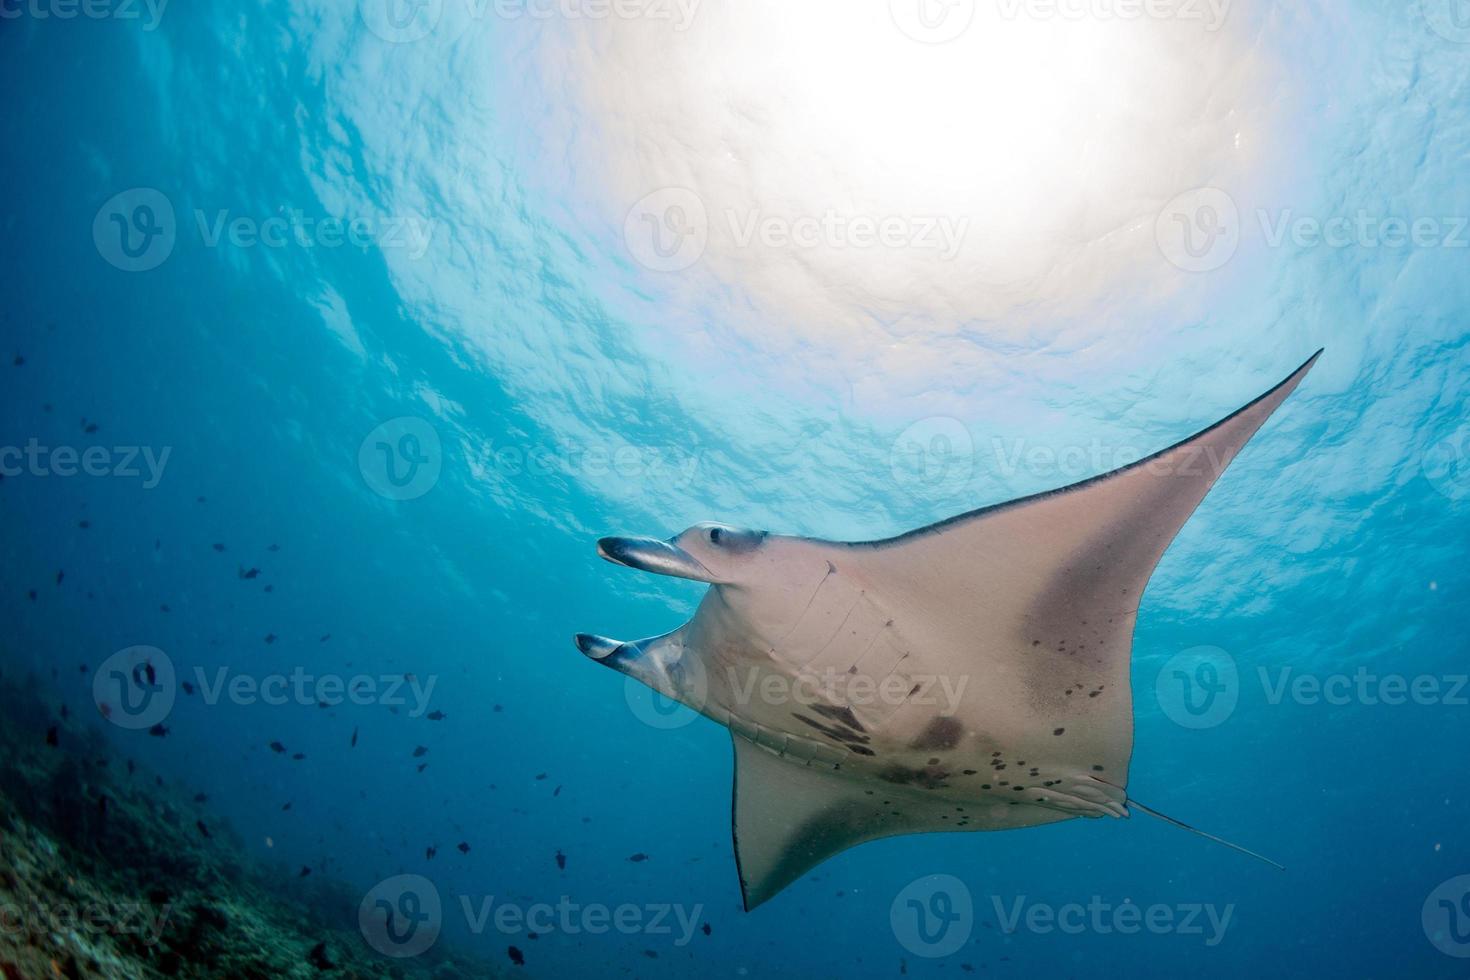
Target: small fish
(354, 738)
(163, 608)
(31, 595)
(285, 807)
(705, 929)
(84, 524)
(429, 853)
(270, 638)
(638, 858)
(463, 848)
(274, 547)
(420, 752)
(248, 573)
(277, 748)
(436, 716)
(202, 829)
(188, 688)
(218, 545)
(422, 767)
(158, 731)
(556, 792)
(305, 872)
(561, 861)
(59, 576)
(299, 756)
(200, 798)
(52, 738)
(325, 637)
(650, 954)
(540, 776)
(19, 361)
(516, 956)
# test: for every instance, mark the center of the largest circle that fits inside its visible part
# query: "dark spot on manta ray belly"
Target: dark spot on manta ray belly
(941, 733)
(838, 735)
(931, 778)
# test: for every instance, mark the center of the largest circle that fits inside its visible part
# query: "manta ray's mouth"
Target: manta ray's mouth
(652, 555)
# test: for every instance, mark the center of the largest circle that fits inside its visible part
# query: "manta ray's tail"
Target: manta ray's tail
(1184, 826)
(1195, 830)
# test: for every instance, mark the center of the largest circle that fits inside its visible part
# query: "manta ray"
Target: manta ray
(969, 675)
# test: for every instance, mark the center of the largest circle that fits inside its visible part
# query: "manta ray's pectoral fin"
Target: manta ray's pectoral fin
(790, 817)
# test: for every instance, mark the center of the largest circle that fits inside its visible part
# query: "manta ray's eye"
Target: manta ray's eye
(717, 535)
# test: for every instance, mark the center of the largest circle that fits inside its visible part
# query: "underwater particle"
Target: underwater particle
(218, 546)
(650, 954)
(353, 744)
(305, 872)
(638, 858)
(60, 575)
(18, 361)
(201, 798)
(556, 792)
(163, 608)
(429, 853)
(705, 929)
(188, 687)
(52, 738)
(325, 637)
(299, 756)
(31, 595)
(270, 638)
(497, 709)
(540, 776)
(420, 751)
(158, 731)
(274, 547)
(463, 847)
(561, 860)
(278, 748)
(436, 716)
(516, 956)
(285, 807)
(84, 524)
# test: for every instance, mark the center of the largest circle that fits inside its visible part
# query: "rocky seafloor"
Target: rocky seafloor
(107, 870)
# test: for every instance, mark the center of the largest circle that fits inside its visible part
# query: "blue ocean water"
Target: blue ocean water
(374, 431)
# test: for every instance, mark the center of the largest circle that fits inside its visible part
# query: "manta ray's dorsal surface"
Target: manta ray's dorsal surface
(971, 675)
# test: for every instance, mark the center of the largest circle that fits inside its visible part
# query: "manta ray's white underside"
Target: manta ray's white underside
(972, 675)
